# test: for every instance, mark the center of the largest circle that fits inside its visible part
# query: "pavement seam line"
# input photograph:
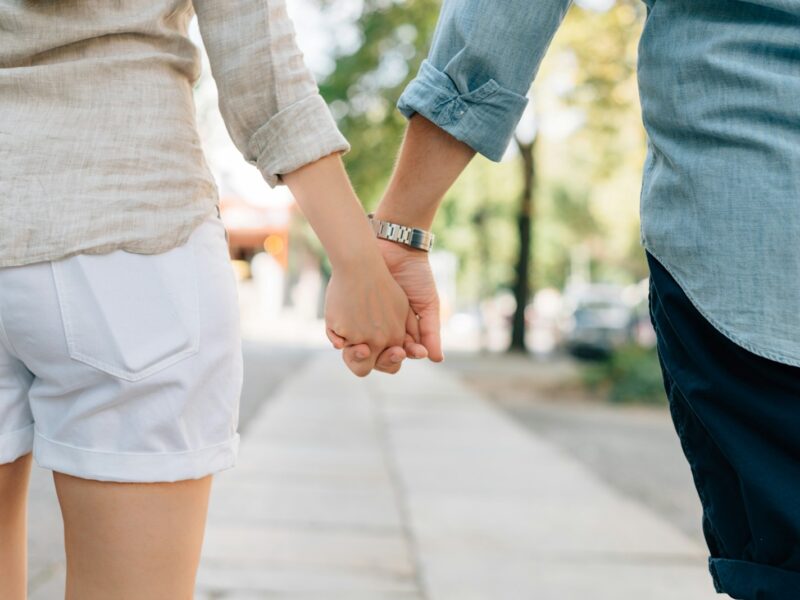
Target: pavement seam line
(377, 405)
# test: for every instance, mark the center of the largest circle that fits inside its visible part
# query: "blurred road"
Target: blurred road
(266, 365)
(632, 448)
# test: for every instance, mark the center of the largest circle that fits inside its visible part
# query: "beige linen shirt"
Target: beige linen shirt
(99, 149)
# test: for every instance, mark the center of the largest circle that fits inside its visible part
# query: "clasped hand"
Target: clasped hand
(384, 308)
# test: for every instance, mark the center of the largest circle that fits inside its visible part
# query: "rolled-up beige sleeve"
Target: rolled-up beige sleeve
(267, 96)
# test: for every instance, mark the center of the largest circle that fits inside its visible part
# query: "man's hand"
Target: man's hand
(411, 269)
(430, 161)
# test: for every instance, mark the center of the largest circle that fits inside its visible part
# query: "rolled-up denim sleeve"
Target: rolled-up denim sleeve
(484, 56)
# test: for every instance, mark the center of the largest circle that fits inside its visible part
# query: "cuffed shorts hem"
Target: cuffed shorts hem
(130, 467)
(15, 444)
(751, 581)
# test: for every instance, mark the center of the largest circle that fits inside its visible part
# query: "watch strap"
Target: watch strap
(410, 236)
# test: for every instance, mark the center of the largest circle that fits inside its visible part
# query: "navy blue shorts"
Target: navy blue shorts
(738, 419)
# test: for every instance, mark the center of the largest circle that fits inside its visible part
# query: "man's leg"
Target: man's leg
(738, 417)
(714, 477)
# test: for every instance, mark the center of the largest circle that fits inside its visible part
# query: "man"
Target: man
(719, 84)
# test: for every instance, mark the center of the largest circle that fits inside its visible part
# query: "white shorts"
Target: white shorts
(121, 366)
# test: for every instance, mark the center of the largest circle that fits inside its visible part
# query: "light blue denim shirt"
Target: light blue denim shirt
(719, 82)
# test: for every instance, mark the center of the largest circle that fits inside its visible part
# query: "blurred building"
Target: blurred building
(253, 229)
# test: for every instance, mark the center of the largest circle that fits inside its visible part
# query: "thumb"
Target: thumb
(359, 359)
(358, 352)
(412, 345)
(430, 332)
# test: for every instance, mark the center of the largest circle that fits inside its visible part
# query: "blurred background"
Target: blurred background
(544, 306)
(538, 255)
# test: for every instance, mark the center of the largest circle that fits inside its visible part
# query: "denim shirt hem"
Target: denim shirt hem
(749, 345)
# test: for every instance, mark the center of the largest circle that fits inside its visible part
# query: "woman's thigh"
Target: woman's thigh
(130, 541)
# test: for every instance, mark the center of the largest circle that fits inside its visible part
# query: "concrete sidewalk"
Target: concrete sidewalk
(414, 487)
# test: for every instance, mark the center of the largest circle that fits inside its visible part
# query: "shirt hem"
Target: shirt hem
(749, 346)
(157, 245)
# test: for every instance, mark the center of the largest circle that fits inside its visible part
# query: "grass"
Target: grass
(629, 375)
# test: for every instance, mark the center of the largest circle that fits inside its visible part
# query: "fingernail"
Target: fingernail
(361, 355)
(397, 358)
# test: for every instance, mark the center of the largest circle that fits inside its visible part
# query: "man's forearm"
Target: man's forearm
(429, 163)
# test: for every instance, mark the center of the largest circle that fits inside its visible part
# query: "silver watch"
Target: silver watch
(410, 236)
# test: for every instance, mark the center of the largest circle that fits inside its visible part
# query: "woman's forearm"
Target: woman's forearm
(324, 194)
(365, 308)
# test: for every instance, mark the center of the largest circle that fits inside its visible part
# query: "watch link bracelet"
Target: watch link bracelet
(410, 236)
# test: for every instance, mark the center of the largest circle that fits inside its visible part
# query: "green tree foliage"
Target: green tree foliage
(365, 85)
(590, 178)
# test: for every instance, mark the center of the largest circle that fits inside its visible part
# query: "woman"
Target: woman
(120, 360)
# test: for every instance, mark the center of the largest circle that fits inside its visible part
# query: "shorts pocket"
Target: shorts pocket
(127, 314)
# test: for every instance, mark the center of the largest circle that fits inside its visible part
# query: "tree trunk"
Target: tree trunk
(480, 221)
(522, 286)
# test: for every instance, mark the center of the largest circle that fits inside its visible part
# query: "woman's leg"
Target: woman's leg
(14, 478)
(134, 410)
(130, 541)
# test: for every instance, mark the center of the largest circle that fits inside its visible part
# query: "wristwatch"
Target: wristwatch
(410, 236)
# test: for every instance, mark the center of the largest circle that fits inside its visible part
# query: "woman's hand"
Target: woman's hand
(411, 270)
(367, 315)
(430, 161)
(367, 312)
